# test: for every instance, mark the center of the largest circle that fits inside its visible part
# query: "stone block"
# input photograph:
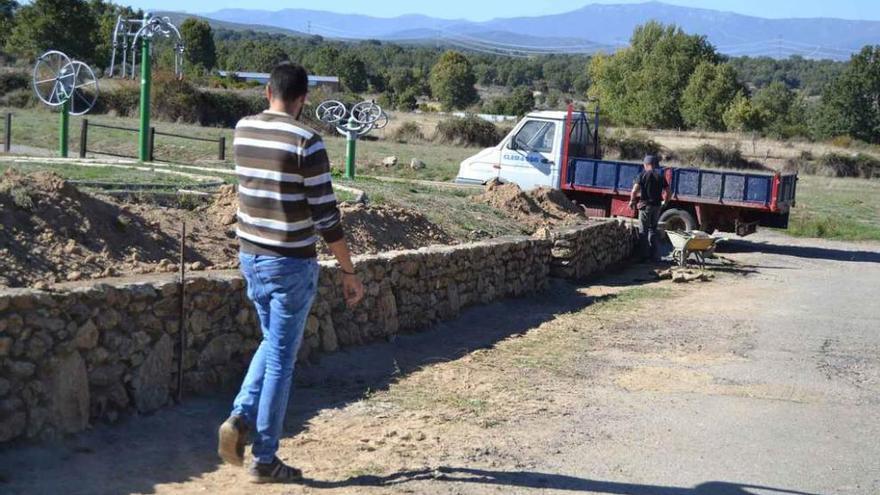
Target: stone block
(68, 392)
(151, 382)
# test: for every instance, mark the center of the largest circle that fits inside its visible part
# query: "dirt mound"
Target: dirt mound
(224, 208)
(372, 229)
(51, 232)
(542, 207)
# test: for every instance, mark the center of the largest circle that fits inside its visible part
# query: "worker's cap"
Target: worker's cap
(652, 159)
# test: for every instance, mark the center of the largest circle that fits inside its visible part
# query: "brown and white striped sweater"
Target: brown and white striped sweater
(284, 190)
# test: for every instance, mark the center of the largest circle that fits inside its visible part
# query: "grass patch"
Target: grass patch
(110, 175)
(833, 208)
(452, 209)
(38, 128)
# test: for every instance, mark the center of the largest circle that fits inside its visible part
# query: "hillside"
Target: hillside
(591, 28)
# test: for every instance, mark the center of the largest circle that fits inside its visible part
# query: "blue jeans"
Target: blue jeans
(282, 290)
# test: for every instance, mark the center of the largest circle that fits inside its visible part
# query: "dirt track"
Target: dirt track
(768, 376)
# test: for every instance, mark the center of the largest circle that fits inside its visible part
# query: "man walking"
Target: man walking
(285, 200)
(649, 187)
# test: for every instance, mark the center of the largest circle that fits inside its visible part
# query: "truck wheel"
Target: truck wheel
(675, 219)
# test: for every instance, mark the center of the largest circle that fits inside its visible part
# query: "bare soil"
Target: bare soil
(51, 232)
(542, 207)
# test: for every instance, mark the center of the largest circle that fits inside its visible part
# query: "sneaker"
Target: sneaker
(232, 439)
(274, 472)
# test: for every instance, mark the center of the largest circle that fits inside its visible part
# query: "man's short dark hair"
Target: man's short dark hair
(289, 81)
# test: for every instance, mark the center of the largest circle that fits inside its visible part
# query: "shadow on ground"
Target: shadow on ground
(178, 444)
(811, 252)
(545, 481)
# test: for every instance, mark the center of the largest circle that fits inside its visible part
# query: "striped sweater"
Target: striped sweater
(285, 194)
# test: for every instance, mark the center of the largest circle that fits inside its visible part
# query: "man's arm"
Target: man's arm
(667, 193)
(325, 215)
(633, 195)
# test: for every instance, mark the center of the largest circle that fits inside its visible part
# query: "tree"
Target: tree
(403, 89)
(7, 12)
(851, 104)
(783, 109)
(326, 60)
(710, 91)
(520, 102)
(65, 25)
(352, 72)
(642, 84)
(198, 39)
(102, 37)
(742, 116)
(452, 81)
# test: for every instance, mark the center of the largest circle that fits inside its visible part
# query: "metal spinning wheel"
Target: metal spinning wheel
(363, 118)
(331, 111)
(82, 86)
(366, 112)
(51, 82)
(69, 84)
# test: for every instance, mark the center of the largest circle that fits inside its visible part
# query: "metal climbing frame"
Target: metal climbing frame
(127, 37)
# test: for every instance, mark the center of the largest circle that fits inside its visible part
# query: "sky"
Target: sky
(488, 9)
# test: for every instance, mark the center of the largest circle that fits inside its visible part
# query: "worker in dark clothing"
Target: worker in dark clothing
(649, 187)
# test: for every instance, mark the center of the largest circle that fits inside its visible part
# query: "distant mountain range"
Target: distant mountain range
(589, 29)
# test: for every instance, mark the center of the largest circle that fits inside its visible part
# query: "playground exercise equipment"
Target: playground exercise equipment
(131, 35)
(359, 121)
(70, 84)
(128, 32)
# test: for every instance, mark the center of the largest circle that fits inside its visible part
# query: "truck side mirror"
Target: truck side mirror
(512, 144)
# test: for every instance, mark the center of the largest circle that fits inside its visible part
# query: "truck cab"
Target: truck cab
(531, 155)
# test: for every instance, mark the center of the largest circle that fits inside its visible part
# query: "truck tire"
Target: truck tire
(675, 219)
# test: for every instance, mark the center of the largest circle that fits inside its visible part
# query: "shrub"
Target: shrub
(122, 100)
(629, 147)
(467, 131)
(175, 100)
(11, 81)
(842, 141)
(19, 98)
(839, 165)
(804, 163)
(408, 132)
(728, 156)
(226, 108)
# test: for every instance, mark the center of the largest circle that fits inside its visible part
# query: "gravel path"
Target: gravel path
(765, 380)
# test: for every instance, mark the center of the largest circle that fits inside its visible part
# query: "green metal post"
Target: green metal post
(350, 149)
(144, 148)
(65, 128)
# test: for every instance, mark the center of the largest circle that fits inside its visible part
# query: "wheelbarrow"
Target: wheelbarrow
(686, 243)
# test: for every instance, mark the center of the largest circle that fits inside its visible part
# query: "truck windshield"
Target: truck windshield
(536, 135)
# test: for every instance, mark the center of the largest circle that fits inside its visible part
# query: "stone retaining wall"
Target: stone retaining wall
(97, 352)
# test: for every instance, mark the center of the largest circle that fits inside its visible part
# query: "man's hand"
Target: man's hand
(632, 205)
(352, 289)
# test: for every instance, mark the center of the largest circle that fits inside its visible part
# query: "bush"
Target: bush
(408, 132)
(629, 147)
(176, 100)
(226, 108)
(19, 98)
(842, 141)
(11, 81)
(467, 131)
(123, 100)
(839, 165)
(728, 156)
